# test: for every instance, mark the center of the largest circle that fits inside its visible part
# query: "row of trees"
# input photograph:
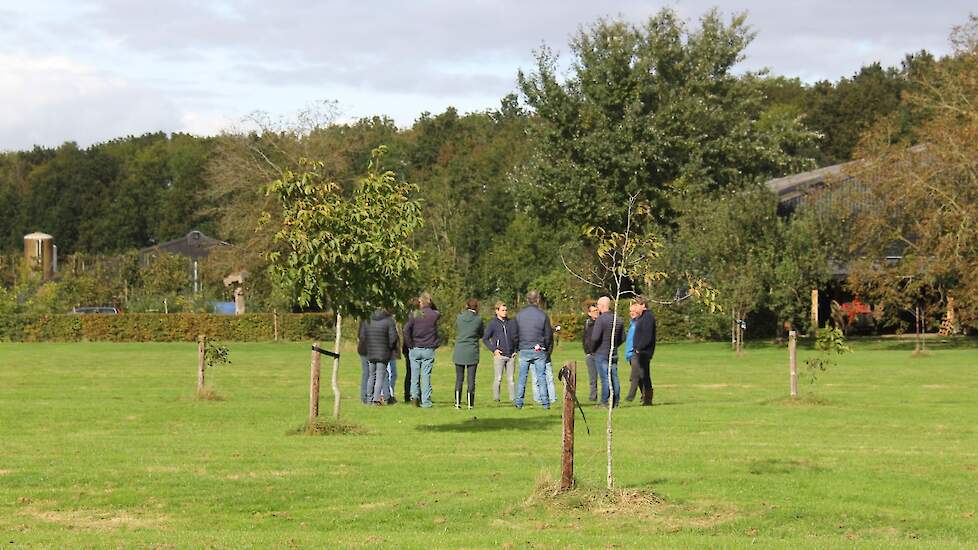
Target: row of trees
(652, 113)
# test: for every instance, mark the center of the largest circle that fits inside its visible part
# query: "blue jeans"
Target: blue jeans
(601, 364)
(551, 389)
(422, 359)
(391, 376)
(365, 394)
(378, 381)
(538, 359)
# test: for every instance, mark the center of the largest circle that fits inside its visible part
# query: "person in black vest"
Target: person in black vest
(502, 339)
(589, 347)
(380, 337)
(644, 349)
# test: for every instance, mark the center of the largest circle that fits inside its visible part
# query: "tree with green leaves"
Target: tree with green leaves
(653, 111)
(349, 252)
(918, 220)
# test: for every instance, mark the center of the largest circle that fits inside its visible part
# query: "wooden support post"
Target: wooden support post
(314, 386)
(336, 368)
(814, 313)
(567, 457)
(275, 323)
(793, 362)
(201, 361)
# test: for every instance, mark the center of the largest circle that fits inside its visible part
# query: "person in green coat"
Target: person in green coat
(466, 356)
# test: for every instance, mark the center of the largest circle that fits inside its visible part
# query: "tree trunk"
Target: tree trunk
(733, 329)
(201, 361)
(567, 457)
(336, 369)
(793, 362)
(611, 392)
(314, 386)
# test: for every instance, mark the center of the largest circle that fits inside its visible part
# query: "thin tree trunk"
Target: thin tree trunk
(336, 369)
(793, 363)
(611, 388)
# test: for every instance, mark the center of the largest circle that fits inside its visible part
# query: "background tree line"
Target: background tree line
(655, 109)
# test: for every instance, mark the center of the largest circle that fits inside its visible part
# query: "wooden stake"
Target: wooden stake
(275, 322)
(793, 362)
(336, 369)
(814, 313)
(201, 361)
(314, 386)
(567, 457)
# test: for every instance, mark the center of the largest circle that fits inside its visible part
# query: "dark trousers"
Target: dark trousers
(592, 376)
(460, 371)
(641, 377)
(408, 369)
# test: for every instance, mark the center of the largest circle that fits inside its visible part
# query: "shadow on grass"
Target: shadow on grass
(782, 466)
(475, 424)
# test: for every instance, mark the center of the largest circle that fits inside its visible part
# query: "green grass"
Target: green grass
(106, 445)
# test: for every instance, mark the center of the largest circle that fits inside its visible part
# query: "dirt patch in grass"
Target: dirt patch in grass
(208, 394)
(94, 520)
(642, 503)
(5, 472)
(803, 400)
(328, 426)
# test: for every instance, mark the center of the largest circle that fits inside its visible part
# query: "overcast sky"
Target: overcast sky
(87, 71)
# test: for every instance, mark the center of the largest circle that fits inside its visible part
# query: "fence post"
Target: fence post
(275, 322)
(201, 361)
(793, 362)
(567, 457)
(314, 386)
(814, 313)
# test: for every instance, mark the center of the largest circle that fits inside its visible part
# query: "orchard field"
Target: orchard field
(105, 445)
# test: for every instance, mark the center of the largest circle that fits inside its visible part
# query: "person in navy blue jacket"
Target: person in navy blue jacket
(502, 339)
(644, 348)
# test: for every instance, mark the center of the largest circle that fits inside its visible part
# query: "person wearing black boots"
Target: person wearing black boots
(466, 356)
(644, 346)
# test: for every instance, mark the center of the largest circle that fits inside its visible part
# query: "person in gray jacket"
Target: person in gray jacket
(502, 339)
(606, 349)
(380, 341)
(468, 331)
(536, 337)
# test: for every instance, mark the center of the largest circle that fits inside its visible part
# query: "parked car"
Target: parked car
(96, 309)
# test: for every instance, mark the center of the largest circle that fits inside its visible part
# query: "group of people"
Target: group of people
(522, 346)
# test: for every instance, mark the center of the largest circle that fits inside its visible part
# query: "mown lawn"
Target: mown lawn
(104, 445)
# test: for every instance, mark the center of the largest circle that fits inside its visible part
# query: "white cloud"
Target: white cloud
(52, 99)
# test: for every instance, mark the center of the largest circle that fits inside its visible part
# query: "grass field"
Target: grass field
(104, 445)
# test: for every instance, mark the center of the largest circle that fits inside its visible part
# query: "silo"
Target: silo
(39, 253)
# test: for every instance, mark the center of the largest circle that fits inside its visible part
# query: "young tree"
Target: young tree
(347, 252)
(626, 259)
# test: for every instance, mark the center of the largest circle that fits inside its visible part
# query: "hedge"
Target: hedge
(157, 327)
(254, 327)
